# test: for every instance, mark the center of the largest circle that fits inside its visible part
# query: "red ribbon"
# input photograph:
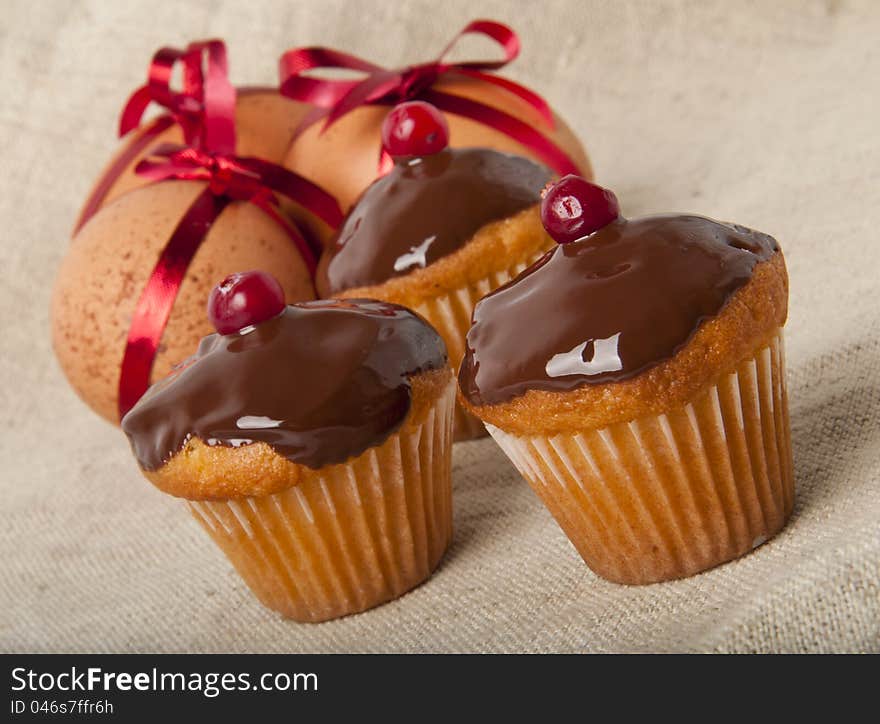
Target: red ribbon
(334, 97)
(204, 109)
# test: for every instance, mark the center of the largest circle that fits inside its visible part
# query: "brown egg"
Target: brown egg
(265, 122)
(343, 159)
(108, 265)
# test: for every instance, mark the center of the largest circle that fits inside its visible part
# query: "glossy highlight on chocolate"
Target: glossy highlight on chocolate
(426, 208)
(321, 382)
(607, 307)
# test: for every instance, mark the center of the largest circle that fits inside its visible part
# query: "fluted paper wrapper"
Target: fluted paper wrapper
(450, 314)
(353, 537)
(666, 496)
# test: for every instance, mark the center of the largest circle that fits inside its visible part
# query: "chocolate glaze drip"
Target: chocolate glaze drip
(321, 382)
(606, 307)
(424, 209)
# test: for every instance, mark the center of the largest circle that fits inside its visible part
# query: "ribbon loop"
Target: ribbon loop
(205, 106)
(500, 33)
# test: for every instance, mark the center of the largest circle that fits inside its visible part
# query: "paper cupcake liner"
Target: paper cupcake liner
(351, 537)
(450, 314)
(666, 496)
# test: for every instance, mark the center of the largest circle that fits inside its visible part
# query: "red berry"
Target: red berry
(244, 299)
(414, 128)
(573, 208)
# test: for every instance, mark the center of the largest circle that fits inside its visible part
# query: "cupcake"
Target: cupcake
(440, 230)
(646, 405)
(313, 444)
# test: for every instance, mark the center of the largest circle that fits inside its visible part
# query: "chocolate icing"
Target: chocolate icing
(424, 209)
(606, 307)
(321, 382)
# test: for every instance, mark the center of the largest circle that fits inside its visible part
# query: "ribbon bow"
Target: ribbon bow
(204, 109)
(335, 98)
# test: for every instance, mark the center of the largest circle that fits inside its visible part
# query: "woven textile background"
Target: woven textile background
(763, 113)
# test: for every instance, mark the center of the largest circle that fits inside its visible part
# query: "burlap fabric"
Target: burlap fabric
(764, 113)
